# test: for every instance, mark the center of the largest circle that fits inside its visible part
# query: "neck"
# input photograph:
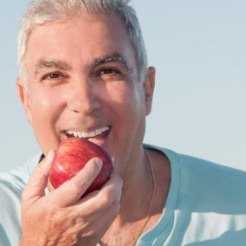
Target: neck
(138, 189)
(136, 203)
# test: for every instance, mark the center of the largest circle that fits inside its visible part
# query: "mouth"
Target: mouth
(97, 136)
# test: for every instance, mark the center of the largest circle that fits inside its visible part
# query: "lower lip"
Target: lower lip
(100, 139)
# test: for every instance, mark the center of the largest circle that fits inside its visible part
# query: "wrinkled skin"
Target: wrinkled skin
(75, 92)
(56, 219)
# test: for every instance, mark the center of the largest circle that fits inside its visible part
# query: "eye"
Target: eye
(109, 71)
(51, 76)
(109, 74)
(54, 78)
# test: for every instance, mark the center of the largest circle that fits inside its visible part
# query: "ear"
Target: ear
(22, 92)
(149, 86)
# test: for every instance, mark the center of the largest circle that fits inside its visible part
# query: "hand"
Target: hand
(62, 217)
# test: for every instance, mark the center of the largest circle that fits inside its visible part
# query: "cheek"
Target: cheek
(123, 92)
(45, 106)
(135, 99)
(127, 100)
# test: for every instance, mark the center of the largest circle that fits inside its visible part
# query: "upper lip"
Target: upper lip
(87, 134)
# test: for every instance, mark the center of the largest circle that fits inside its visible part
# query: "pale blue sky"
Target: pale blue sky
(199, 51)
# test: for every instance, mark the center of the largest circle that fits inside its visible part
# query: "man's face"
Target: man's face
(82, 81)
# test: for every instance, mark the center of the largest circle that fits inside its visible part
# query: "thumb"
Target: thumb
(38, 180)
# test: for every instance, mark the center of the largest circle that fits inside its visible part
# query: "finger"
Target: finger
(115, 185)
(72, 190)
(108, 195)
(98, 223)
(38, 180)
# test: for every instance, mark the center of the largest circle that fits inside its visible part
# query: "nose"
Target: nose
(83, 98)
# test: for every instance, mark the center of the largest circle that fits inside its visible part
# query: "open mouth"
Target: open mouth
(96, 136)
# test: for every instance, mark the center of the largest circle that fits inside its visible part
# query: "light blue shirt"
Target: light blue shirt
(12, 184)
(206, 204)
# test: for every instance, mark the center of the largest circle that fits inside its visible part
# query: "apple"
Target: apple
(71, 156)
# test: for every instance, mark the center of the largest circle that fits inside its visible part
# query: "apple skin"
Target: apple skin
(71, 156)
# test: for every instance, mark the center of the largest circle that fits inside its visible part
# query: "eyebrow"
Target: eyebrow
(61, 65)
(45, 63)
(114, 57)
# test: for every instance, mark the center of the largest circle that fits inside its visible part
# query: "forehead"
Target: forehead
(85, 36)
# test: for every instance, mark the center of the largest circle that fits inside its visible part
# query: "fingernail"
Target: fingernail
(98, 163)
(113, 159)
(50, 156)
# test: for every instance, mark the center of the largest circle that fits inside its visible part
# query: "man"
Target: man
(84, 73)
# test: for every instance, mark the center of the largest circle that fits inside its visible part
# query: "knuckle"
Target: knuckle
(107, 199)
(59, 217)
(49, 211)
(76, 187)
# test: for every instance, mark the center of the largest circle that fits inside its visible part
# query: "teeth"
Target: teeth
(88, 134)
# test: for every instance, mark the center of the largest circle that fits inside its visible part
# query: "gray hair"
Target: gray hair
(41, 11)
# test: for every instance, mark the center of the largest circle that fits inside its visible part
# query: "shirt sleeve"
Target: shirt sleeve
(10, 197)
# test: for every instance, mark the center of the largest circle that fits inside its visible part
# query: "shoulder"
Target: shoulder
(213, 194)
(206, 203)
(204, 182)
(19, 176)
(212, 175)
(213, 187)
(12, 184)
(190, 165)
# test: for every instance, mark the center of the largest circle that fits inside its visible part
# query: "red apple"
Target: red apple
(71, 156)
